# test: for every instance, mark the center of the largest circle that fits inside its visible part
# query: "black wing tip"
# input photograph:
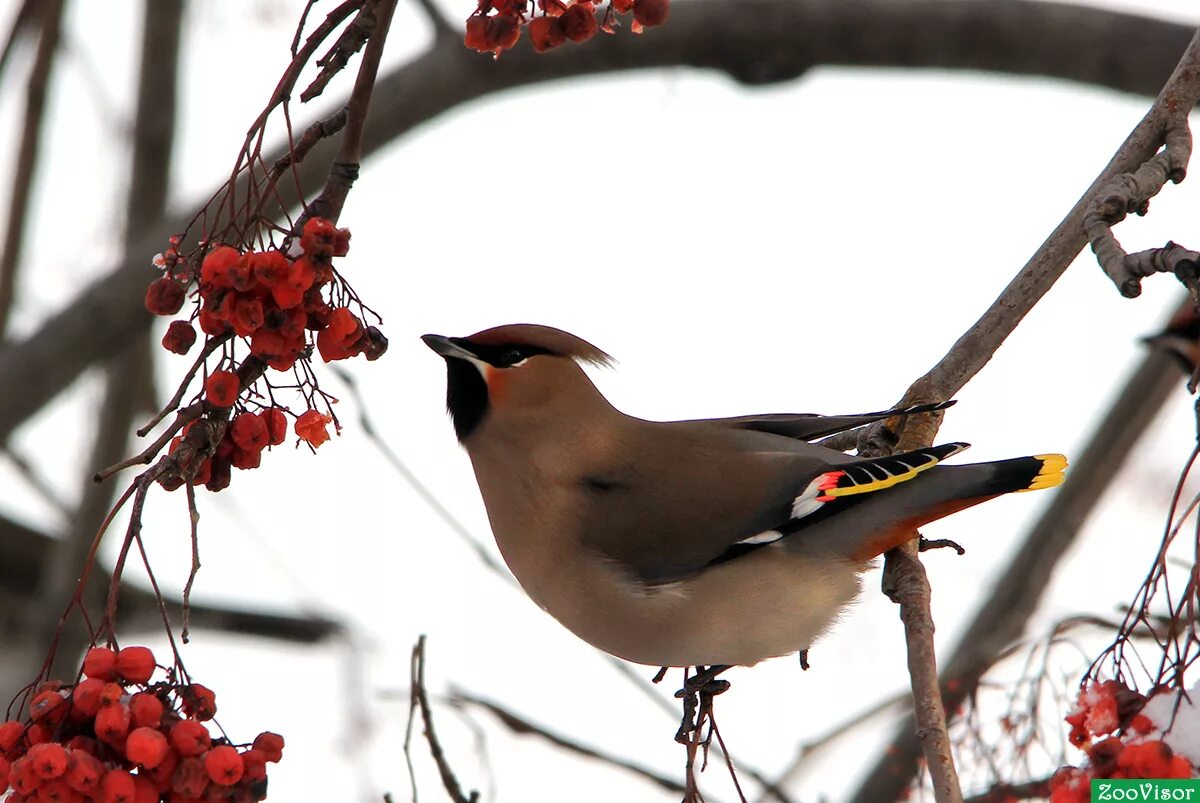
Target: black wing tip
(928, 407)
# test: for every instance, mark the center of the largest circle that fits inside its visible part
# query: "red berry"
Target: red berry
(164, 773)
(48, 706)
(49, 760)
(144, 790)
(651, 12)
(112, 723)
(10, 733)
(85, 699)
(84, 772)
(503, 31)
(210, 322)
(301, 275)
(476, 37)
(310, 427)
(286, 296)
(22, 777)
(246, 458)
(135, 664)
(146, 746)
(579, 22)
(271, 745)
(220, 474)
(179, 338)
(100, 662)
(247, 316)
(341, 242)
(256, 765)
(222, 388)
(116, 787)
(317, 238)
(276, 422)
(546, 33)
(165, 296)
(190, 737)
(146, 710)
(190, 778)
(621, 6)
(269, 267)
(249, 432)
(198, 701)
(224, 765)
(217, 265)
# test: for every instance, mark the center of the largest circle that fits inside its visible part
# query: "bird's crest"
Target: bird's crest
(555, 341)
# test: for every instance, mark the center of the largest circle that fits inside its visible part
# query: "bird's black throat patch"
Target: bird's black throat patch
(466, 397)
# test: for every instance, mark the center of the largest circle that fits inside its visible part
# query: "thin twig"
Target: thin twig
(449, 780)
(344, 171)
(518, 724)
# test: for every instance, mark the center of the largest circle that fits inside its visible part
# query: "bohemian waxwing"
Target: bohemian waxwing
(686, 543)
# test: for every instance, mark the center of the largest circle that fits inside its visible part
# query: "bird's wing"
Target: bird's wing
(810, 426)
(708, 495)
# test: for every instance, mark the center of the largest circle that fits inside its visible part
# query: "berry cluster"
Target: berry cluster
(268, 298)
(1120, 741)
(114, 737)
(496, 24)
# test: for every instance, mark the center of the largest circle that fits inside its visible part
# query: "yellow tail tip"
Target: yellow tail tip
(1052, 472)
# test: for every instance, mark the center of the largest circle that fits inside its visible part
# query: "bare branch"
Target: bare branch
(1017, 592)
(50, 25)
(1131, 192)
(518, 724)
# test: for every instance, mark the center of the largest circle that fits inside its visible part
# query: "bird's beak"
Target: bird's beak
(447, 348)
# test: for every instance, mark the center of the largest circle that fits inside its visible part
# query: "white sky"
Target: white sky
(808, 247)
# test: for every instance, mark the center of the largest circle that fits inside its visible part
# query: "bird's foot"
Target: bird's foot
(925, 544)
(704, 682)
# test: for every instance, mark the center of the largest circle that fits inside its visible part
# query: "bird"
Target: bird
(691, 543)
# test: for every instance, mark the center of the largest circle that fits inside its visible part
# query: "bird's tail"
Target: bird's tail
(1026, 474)
(876, 522)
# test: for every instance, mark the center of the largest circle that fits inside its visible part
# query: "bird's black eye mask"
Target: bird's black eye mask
(503, 355)
(466, 390)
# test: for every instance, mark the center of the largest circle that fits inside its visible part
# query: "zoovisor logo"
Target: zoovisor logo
(1148, 790)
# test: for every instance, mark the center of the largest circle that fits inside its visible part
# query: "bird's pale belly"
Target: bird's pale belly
(741, 612)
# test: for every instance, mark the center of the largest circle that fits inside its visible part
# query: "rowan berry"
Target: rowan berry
(276, 421)
(146, 746)
(85, 699)
(117, 787)
(49, 760)
(546, 33)
(310, 427)
(135, 664)
(224, 765)
(198, 701)
(179, 337)
(222, 388)
(165, 296)
(146, 709)
(249, 432)
(270, 744)
(190, 737)
(651, 12)
(112, 723)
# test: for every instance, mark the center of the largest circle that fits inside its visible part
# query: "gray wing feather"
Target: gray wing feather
(667, 513)
(810, 426)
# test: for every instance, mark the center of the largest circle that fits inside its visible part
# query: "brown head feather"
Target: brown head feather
(553, 340)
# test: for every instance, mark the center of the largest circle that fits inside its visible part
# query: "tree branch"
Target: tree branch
(49, 26)
(976, 347)
(752, 41)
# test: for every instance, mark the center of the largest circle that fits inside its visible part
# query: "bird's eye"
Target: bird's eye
(511, 357)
